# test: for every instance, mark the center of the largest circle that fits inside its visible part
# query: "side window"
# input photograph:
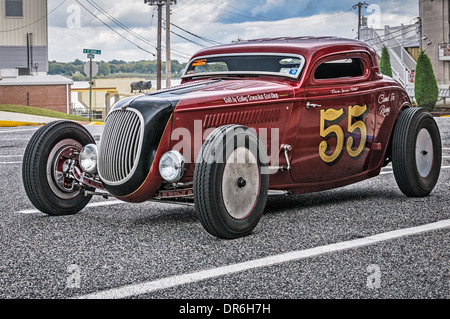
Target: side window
(14, 8)
(340, 69)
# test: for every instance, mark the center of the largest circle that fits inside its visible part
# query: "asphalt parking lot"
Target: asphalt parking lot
(362, 241)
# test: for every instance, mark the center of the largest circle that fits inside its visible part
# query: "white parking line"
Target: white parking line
(10, 163)
(8, 156)
(14, 131)
(391, 171)
(97, 204)
(174, 281)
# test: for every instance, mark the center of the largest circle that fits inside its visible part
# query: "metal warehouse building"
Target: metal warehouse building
(24, 36)
(24, 58)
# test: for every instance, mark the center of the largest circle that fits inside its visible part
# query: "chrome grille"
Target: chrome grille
(120, 146)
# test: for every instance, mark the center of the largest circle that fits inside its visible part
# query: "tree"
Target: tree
(78, 62)
(56, 68)
(385, 62)
(79, 77)
(426, 88)
(69, 69)
(103, 69)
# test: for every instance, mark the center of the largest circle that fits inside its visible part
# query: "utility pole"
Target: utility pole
(159, 53)
(160, 4)
(168, 64)
(359, 6)
(420, 31)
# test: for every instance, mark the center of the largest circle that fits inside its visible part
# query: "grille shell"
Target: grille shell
(120, 146)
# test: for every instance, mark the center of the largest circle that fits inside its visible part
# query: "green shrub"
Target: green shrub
(426, 88)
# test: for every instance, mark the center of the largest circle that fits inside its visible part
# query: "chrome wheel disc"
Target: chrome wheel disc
(241, 183)
(57, 165)
(424, 153)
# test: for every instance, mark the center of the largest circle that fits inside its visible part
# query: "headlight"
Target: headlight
(171, 166)
(88, 158)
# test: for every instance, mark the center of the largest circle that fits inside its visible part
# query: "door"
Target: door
(337, 121)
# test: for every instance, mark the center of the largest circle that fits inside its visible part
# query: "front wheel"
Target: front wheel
(48, 156)
(416, 152)
(231, 182)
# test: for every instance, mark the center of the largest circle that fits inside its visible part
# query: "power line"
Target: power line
(390, 33)
(112, 29)
(126, 29)
(120, 24)
(189, 40)
(197, 36)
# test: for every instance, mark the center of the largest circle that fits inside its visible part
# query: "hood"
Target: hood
(222, 92)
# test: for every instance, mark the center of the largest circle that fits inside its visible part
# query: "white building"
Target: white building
(403, 44)
(23, 37)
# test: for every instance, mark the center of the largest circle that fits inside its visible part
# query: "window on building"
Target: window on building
(14, 8)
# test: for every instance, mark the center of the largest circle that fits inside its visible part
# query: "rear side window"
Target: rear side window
(340, 69)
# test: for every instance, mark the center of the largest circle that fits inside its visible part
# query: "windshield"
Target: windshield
(289, 66)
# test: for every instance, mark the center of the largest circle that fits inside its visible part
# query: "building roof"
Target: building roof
(36, 80)
(306, 46)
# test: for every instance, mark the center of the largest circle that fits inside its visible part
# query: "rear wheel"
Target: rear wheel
(48, 156)
(230, 182)
(416, 152)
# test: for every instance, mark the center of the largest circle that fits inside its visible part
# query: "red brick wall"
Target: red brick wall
(51, 97)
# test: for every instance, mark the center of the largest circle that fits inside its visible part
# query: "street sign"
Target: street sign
(91, 56)
(94, 69)
(91, 51)
(444, 52)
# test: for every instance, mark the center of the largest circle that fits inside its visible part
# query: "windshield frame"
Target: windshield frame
(244, 73)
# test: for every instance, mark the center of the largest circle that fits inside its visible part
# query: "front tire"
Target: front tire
(231, 182)
(416, 152)
(46, 158)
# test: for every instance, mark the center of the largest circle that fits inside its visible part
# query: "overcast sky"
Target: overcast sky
(132, 36)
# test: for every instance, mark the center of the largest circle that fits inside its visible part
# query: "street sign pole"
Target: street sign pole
(91, 55)
(90, 89)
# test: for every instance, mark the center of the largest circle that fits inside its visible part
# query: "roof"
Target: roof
(302, 39)
(36, 80)
(304, 45)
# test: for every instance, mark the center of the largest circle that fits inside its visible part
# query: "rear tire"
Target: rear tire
(416, 152)
(45, 159)
(231, 182)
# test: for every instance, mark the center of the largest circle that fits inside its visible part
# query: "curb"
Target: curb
(90, 123)
(16, 123)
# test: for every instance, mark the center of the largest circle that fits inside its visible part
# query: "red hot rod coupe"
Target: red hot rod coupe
(250, 120)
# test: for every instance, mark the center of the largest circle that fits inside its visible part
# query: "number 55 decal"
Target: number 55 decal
(329, 127)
